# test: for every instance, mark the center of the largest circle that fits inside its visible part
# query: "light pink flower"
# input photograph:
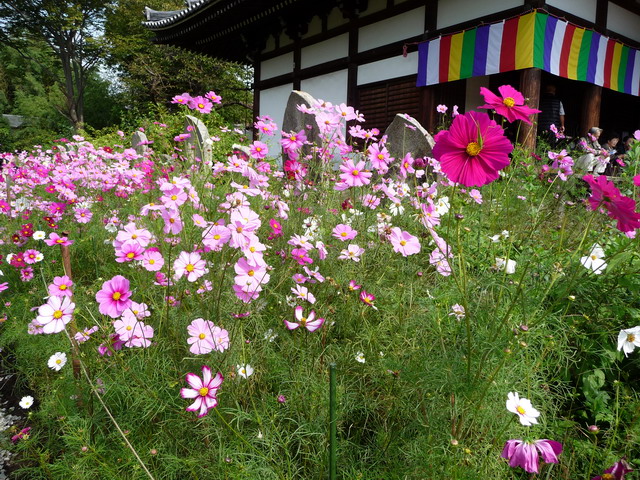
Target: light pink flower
(310, 322)
(344, 232)
(152, 260)
(191, 265)
(303, 293)
(55, 314)
(354, 175)
(55, 239)
(352, 252)
(61, 287)
(200, 337)
(129, 251)
(202, 390)
(403, 242)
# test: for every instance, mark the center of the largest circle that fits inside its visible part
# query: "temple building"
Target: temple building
(408, 56)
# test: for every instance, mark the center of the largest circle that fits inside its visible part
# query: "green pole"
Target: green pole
(332, 422)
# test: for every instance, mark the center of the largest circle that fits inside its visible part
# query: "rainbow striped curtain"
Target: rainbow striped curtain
(535, 39)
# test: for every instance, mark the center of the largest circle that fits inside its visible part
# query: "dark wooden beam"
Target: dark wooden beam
(590, 116)
(530, 88)
(602, 8)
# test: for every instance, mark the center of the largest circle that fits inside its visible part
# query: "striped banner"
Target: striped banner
(535, 39)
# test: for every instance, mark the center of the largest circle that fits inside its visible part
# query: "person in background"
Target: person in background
(596, 158)
(616, 159)
(552, 112)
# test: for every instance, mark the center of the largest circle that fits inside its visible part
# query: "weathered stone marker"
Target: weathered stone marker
(197, 145)
(405, 134)
(139, 142)
(295, 120)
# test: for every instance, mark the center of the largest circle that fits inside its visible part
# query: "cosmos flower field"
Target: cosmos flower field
(166, 316)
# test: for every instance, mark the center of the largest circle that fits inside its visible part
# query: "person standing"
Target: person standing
(552, 111)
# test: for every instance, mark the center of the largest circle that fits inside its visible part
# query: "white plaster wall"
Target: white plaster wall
(452, 12)
(624, 22)
(315, 27)
(580, 8)
(374, 6)
(276, 66)
(473, 99)
(393, 67)
(331, 87)
(273, 103)
(335, 18)
(336, 47)
(392, 29)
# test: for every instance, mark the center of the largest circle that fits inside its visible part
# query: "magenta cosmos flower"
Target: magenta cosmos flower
(525, 454)
(114, 297)
(604, 193)
(473, 150)
(202, 390)
(404, 242)
(354, 175)
(55, 314)
(510, 105)
(615, 472)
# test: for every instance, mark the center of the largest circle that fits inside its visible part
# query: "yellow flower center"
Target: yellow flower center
(520, 410)
(203, 391)
(151, 261)
(252, 249)
(403, 242)
(174, 197)
(343, 234)
(631, 338)
(607, 476)
(58, 314)
(216, 237)
(201, 105)
(129, 328)
(116, 295)
(473, 149)
(202, 336)
(131, 255)
(509, 102)
(190, 267)
(172, 220)
(239, 229)
(251, 273)
(134, 236)
(62, 287)
(303, 321)
(58, 361)
(355, 173)
(381, 156)
(293, 139)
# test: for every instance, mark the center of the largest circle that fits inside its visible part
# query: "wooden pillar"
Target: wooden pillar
(590, 115)
(530, 89)
(428, 108)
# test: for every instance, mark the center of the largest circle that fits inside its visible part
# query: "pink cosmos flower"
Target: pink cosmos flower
(181, 99)
(132, 331)
(215, 237)
(403, 242)
(85, 334)
(202, 390)
(344, 232)
(55, 314)
(605, 194)
(61, 287)
(353, 286)
(293, 141)
(215, 98)
(303, 293)
(476, 196)
(152, 260)
(26, 274)
(258, 150)
(4, 286)
(200, 336)
(31, 256)
(368, 299)
(113, 344)
(473, 150)
(406, 166)
(310, 322)
(379, 157)
(129, 251)
(524, 454)
(114, 297)
(354, 175)
(191, 265)
(276, 229)
(300, 255)
(83, 215)
(370, 201)
(442, 109)
(352, 252)
(616, 472)
(172, 221)
(511, 105)
(55, 239)
(200, 104)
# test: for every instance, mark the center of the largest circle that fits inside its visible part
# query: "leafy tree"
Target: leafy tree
(70, 29)
(153, 74)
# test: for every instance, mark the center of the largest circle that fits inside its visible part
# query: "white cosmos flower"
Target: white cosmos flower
(57, 361)
(509, 266)
(442, 206)
(523, 408)
(26, 402)
(595, 260)
(244, 370)
(360, 357)
(39, 235)
(629, 339)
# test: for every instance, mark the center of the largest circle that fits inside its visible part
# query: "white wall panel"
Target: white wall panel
(273, 102)
(624, 22)
(276, 66)
(452, 12)
(374, 6)
(389, 68)
(331, 87)
(336, 47)
(580, 8)
(393, 29)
